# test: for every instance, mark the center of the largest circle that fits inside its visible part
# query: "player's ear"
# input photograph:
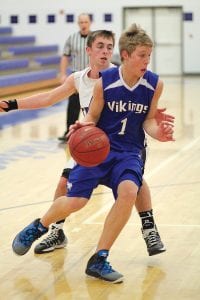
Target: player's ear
(124, 54)
(88, 50)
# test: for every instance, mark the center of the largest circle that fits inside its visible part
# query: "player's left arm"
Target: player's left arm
(164, 130)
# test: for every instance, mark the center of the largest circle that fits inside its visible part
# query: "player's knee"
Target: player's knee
(65, 173)
(128, 196)
(76, 204)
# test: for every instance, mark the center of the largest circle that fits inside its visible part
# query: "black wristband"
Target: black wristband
(12, 104)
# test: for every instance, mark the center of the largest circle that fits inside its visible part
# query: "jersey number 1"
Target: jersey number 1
(123, 127)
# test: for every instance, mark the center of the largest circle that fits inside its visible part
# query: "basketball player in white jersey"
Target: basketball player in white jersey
(100, 49)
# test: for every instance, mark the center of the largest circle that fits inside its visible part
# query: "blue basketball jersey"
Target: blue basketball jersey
(126, 108)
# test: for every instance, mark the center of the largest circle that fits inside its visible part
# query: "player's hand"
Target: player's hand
(3, 106)
(165, 132)
(162, 116)
(77, 125)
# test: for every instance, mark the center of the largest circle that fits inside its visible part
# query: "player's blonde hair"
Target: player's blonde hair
(132, 37)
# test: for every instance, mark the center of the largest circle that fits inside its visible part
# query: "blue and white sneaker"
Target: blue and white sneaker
(99, 267)
(24, 239)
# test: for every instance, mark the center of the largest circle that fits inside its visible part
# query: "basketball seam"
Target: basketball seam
(89, 137)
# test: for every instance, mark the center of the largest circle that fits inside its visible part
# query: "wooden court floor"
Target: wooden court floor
(31, 161)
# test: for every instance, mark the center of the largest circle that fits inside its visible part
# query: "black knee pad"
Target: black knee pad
(65, 173)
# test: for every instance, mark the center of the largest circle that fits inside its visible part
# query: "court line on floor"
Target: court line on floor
(160, 224)
(90, 219)
(171, 158)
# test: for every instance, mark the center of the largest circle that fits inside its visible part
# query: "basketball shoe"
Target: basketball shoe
(153, 241)
(55, 240)
(99, 267)
(63, 138)
(24, 239)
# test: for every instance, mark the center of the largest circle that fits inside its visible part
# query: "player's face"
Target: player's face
(139, 59)
(101, 52)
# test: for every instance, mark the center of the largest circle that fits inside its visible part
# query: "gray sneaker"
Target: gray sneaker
(55, 240)
(99, 267)
(153, 241)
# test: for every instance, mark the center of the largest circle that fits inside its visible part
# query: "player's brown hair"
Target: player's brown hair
(100, 33)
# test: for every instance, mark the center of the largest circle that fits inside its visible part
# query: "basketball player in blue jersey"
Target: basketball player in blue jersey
(99, 48)
(110, 274)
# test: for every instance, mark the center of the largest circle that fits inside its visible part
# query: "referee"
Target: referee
(74, 54)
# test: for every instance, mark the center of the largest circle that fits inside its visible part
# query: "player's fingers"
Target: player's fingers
(70, 132)
(87, 124)
(170, 138)
(166, 124)
(168, 129)
(3, 105)
(161, 110)
(169, 118)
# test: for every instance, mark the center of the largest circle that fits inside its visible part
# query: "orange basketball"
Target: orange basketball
(89, 146)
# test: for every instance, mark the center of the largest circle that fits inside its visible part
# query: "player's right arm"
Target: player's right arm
(42, 99)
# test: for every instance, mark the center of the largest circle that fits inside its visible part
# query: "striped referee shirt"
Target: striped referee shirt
(75, 47)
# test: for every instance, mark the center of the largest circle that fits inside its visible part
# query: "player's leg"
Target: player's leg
(56, 238)
(149, 228)
(125, 180)
(73, 110)
(116, 219)
(60, 209)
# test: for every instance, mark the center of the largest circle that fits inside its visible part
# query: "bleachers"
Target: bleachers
(29, 51)
(11, 66)
(15, 79)
(24, 65)
(45, 62)
(6, 41)
(8, 65)
(16, 83)
(49, 60)
(5, 30)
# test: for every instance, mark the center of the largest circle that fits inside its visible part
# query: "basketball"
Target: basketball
(89, 146)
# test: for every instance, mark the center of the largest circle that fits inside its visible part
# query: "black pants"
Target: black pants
(73, 110)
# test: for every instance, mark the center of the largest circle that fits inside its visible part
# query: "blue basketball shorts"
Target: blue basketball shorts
(115, 169)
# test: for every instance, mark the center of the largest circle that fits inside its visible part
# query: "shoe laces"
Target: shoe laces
(30, 235)
(52, 238)
(152, 238)
(104, 266)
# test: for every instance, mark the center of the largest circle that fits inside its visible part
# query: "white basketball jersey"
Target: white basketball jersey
(85, 86)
